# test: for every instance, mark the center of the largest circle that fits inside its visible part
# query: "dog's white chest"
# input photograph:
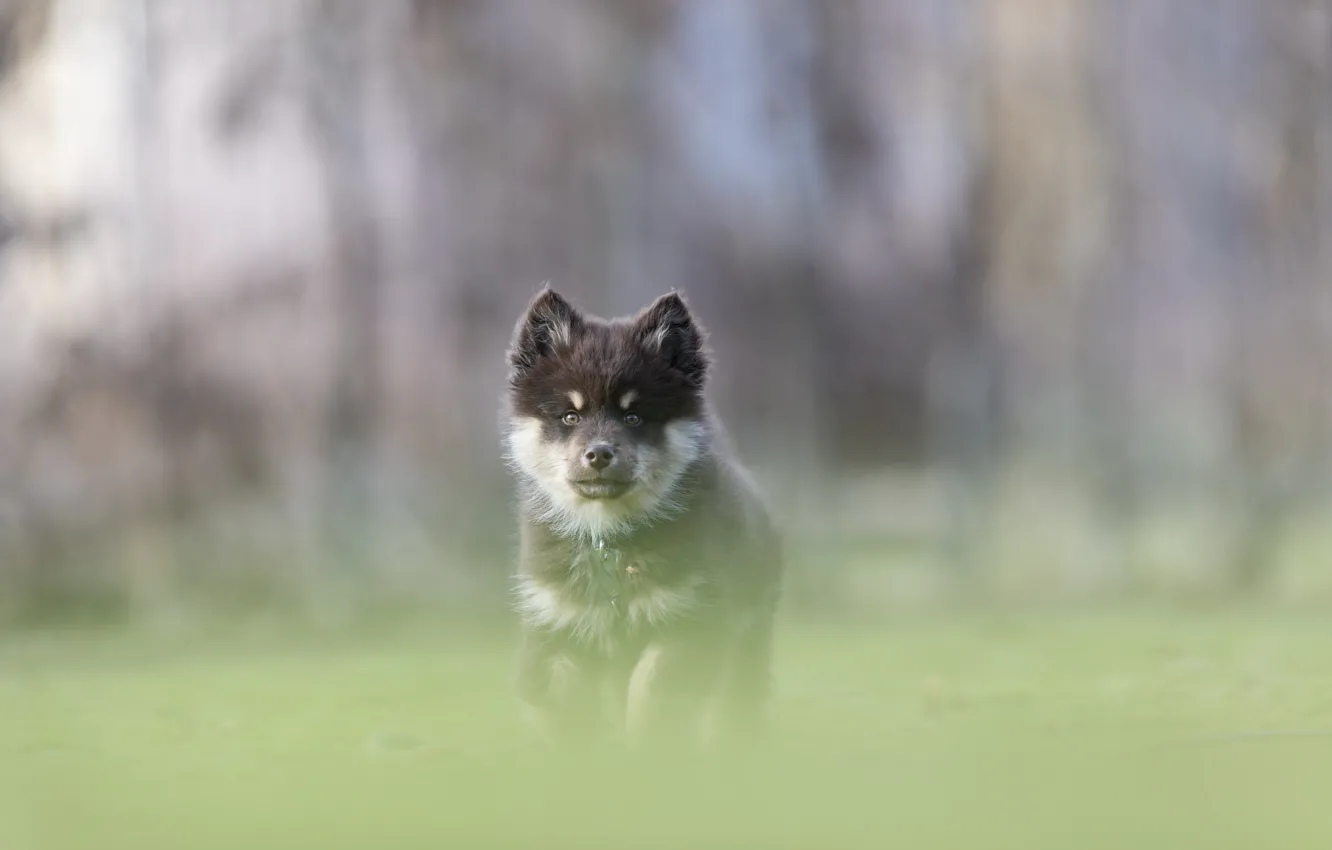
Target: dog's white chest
(621, 603)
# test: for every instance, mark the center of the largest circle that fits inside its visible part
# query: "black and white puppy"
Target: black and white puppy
(649, 569)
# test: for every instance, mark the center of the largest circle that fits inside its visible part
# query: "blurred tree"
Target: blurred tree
(336, 60)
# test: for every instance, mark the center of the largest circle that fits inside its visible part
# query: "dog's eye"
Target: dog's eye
(571, 418)
(633, 420)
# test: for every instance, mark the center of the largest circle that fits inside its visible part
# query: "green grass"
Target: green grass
(1096, 729)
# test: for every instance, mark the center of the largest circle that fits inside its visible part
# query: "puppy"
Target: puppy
(649, 570)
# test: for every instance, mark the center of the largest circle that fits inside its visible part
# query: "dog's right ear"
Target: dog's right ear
(550, 323)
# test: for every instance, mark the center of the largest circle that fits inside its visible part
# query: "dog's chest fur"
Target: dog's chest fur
(600, 594)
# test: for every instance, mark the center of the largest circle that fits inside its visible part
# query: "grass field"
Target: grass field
(1142, 728)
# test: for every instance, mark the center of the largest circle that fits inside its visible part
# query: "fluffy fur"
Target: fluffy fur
(647, 562)
(548, 499)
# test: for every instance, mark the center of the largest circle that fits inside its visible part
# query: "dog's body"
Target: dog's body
(649, 570)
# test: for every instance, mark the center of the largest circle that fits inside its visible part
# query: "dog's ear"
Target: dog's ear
(549, 324)
(668, 328)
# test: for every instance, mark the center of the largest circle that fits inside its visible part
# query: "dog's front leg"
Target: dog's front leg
(559, 692)
(668, 693)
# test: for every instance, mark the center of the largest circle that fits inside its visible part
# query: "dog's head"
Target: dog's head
(605, 417)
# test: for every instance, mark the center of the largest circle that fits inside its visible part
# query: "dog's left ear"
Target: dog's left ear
(549, 324)
(668, 328)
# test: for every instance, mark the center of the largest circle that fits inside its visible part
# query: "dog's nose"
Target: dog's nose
(599, 456)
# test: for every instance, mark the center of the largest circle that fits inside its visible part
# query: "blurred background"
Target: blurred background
(1016, 298)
